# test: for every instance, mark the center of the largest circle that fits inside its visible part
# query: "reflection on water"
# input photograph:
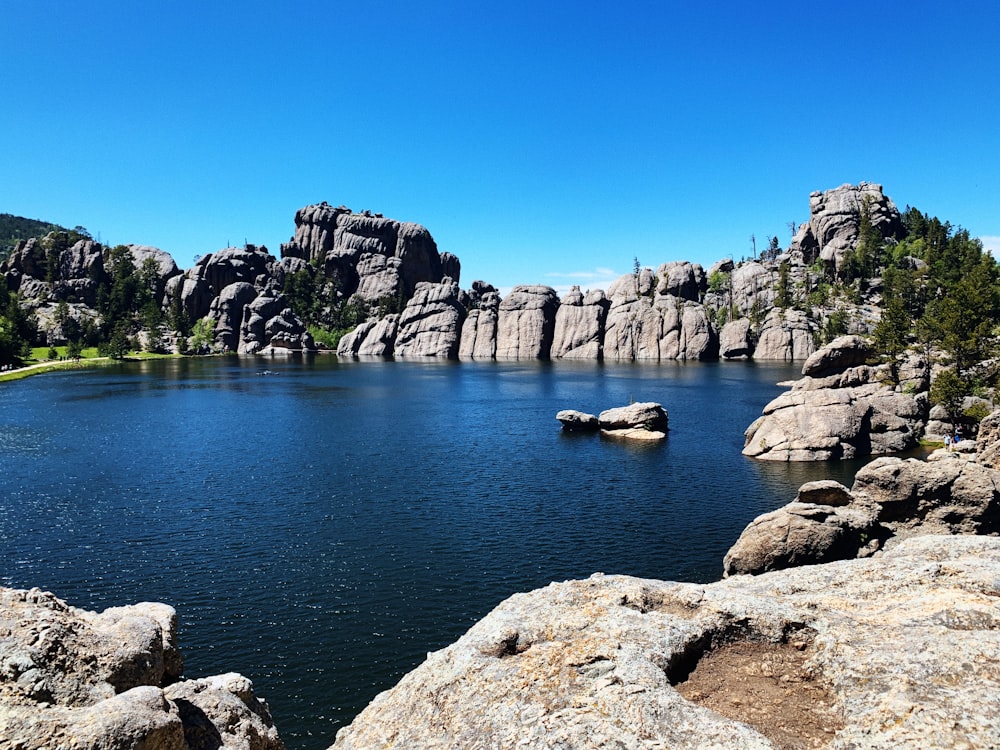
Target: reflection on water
(322, 527)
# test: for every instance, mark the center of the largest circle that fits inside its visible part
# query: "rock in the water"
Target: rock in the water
(644, 416)
(735, 339)
(895, 652)
(577, 421)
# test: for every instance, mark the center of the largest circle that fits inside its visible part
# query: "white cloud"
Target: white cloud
(991, 244)
(599, 278)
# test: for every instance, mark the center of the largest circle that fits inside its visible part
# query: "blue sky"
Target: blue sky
(540, 142)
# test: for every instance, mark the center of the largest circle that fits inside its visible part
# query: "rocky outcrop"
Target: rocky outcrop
(634, 328)
(579, 328)
(943, 497)
(786, 335)
(988, 441)
(846, 414)
(892, 499)
(72, 678)
(835, 221)
(898, 651)
(681, 279)
(431, 324)
(367, 254)
(227, 312)
(526, 323)
(800, 534)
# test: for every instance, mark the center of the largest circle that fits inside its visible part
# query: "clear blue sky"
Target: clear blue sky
(540, 142)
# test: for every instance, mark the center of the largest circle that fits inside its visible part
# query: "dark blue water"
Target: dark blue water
(321, 528)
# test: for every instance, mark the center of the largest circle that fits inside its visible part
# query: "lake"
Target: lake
(321, 527)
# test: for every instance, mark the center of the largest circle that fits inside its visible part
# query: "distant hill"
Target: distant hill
(14, 228)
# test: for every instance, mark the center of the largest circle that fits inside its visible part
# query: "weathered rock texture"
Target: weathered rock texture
(834, 222)
(369, 255)
(898, 652)
(800, 534)
(851, 411)
(76, 679)
(891, 499)
(526, 323)
(579, 329)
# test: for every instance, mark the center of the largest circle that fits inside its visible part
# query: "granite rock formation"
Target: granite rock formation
(851, 411)
(78, 679)
(526, 323)
(367, 254)
(834, 223)
(891, 499)
(800, 534)
(431, 324)
(580, 325)
(895, 652)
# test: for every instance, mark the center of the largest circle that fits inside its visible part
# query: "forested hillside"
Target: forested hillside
(14, 228)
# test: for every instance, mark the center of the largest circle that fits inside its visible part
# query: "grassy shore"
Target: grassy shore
(39, 363)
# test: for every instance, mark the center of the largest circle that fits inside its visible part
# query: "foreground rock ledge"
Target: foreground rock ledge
(898, 651)
(70, 678)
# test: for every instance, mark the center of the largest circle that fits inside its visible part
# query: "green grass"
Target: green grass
(41, 353)
(43, 367)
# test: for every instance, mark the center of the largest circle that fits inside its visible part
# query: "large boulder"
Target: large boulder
(526, 323)
(799, 534)
(72, 678)
(645, 415)
(840, 354)
(944, 497)
(577, 421)
(898, 651)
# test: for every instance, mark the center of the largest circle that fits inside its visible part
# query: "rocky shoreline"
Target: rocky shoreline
(71, 678)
